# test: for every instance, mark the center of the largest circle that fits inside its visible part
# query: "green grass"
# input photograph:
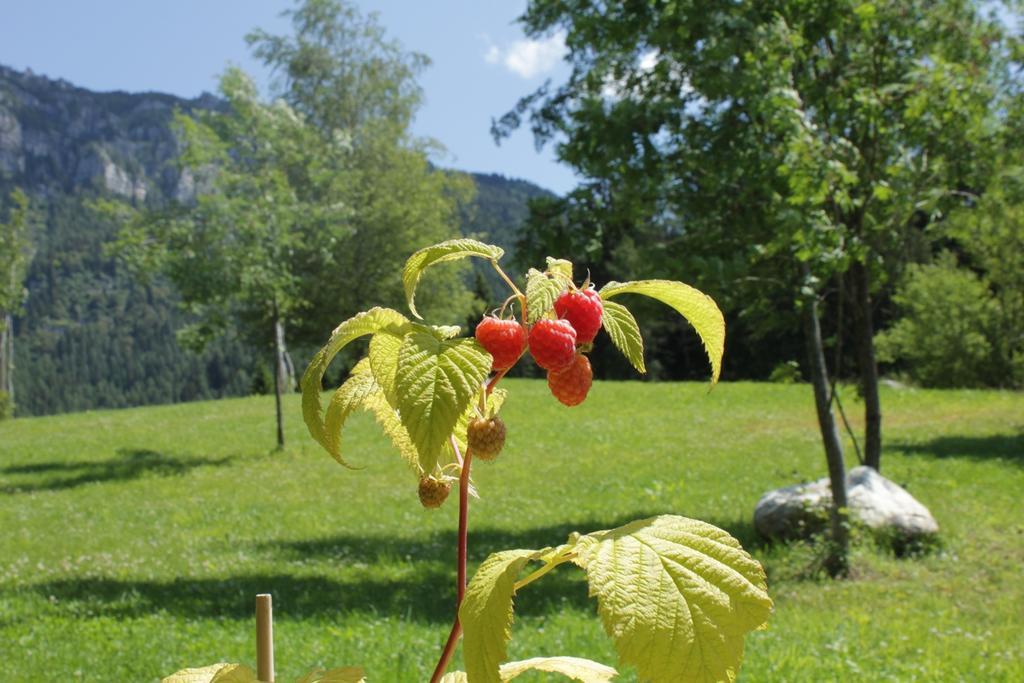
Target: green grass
(132, 542)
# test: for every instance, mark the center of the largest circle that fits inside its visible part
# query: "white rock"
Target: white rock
(802, 509)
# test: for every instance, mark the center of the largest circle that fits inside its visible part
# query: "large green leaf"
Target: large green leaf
(345, 674)
(435, 382)
(388, 419)
(698, 308)
(215, 673)
(541, 292)
(383, 355)
(369, 322)
(621, 326)
(576, 668)
(561, 267)
(677, 596)
(349, 397)
(439, 253)
(486, 613)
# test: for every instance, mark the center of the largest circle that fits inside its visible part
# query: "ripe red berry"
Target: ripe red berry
(583, 309)
(570, 385)
(486, 437)
(433, 492)
(505, 340)
(552, 343)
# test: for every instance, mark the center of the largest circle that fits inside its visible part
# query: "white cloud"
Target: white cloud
(529, 58)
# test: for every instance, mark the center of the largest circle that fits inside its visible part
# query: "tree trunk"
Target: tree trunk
(837, 560)
(7, 358)
(280, 374)
(865, 332)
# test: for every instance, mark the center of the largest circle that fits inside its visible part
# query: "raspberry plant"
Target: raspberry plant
(676, 595)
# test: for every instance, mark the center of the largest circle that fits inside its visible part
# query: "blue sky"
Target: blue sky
(481, 61)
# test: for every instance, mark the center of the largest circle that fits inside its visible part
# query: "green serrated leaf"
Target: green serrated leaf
(349, 397)
(435, 382)
(387, 417)
(383, 355)
(439, 253)
(486, 613)
(345, 674)
(558, 265)
(369, 322)
(576, 668)
(621, 326)
(698, 308)
(677, 596)
(541, 292)
(215, 673)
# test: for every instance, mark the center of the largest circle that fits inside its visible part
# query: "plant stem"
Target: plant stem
(506, 278)
(460, 586)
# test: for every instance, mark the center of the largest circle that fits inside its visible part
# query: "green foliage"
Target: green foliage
(697, 308)
(425, 384)
(486, 613)
(435, 382)
(624, 331)
(541, 291)
(576, 668)
(677, 596)
(943, 335)
(742, 142)
(15, 254)
(239, 673)
(451, 250)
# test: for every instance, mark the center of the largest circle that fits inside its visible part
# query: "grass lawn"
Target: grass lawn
(132, 542)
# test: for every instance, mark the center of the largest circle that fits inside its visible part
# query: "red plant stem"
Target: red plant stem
(453, 637)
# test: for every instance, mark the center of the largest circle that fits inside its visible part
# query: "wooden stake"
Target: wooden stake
(264, 638)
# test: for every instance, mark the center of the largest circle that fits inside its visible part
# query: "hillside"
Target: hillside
(90, 336)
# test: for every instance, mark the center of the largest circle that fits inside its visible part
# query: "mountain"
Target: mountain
(89, 335)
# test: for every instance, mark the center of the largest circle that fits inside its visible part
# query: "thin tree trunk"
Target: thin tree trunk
(7, 357)
(865, 332)
(280, 374)
(837, 559)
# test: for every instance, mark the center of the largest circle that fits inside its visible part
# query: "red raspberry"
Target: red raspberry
(505, 340)
(583, 309)
(433, 492)
(570, 385)
(552, 343)
(486, 437)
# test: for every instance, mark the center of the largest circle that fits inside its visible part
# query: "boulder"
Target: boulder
(801, 510)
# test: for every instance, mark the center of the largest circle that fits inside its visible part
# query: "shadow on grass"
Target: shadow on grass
(130, 463)
(408, 578)
(482, 542)
(1005, 446)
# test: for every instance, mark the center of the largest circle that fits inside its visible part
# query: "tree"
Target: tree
(813, 139)
(236, 255)
(340, 71)
(326, 179)
(14, 259)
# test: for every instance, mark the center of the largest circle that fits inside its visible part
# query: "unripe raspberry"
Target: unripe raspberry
(486, 437)
(505, 340)
(570, 385)
(583, 309)
(433, 492)
(553, 343)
